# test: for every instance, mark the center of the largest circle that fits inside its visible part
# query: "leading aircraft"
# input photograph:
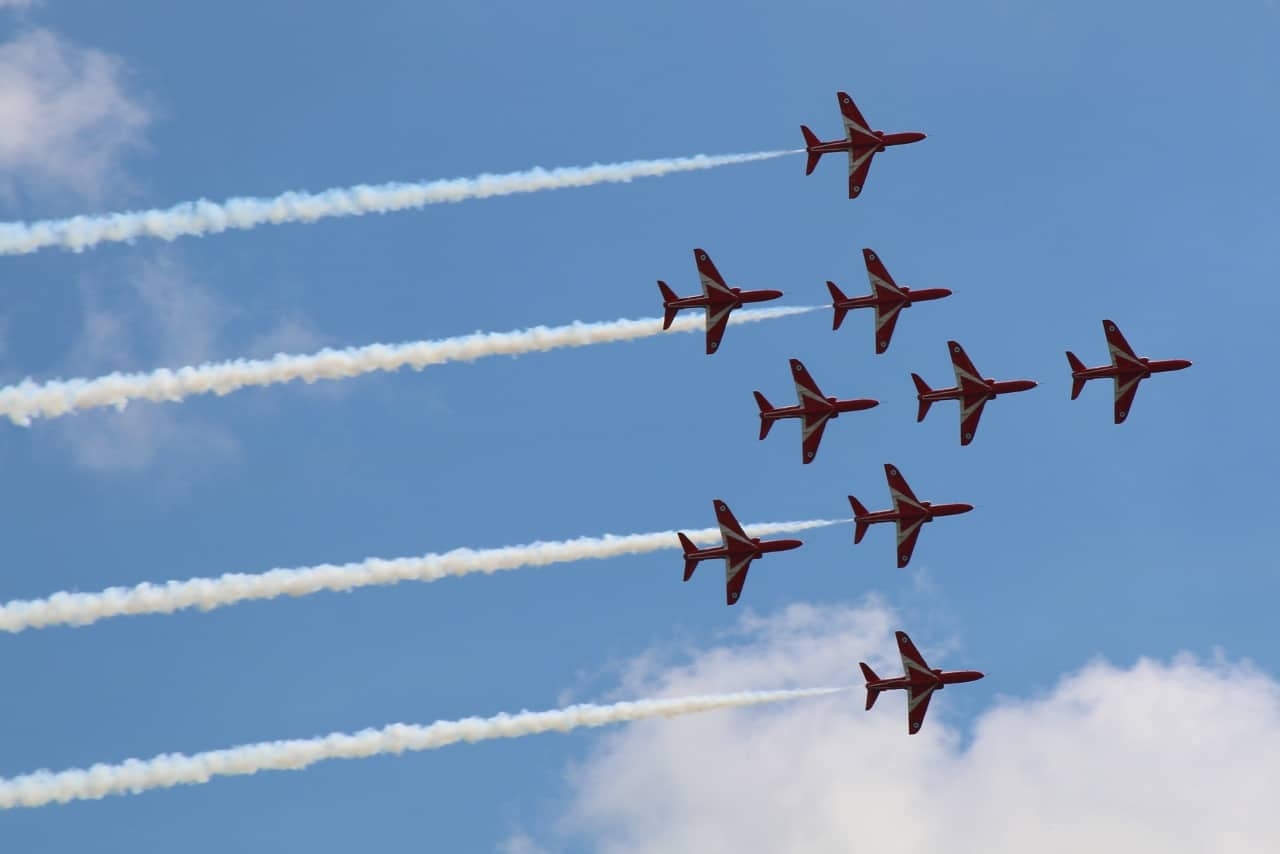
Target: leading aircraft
(918, 679)
(1126, 367)
(887, 298)
(970, 389)
(909, 512)
(860, 141)
(717, 298)
(814, 410)
(738, 551)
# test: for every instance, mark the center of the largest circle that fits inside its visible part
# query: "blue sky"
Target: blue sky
(1083, 161)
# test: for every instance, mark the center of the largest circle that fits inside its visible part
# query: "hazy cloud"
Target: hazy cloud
(160, 316)
(67, 117)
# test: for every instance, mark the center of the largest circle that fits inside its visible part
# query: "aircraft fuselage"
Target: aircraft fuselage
(833, 408)
(908, 297)
(928, 511)
(941, 678)
(1149, 367)
(758, 548)
(847, 144)
(741, 297)
(993, 389)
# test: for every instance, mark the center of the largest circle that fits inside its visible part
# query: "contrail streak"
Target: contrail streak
(29, 399)
(175, 769)
(82, 609)
(191, 219)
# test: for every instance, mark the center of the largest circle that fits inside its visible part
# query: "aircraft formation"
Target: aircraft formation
(814, 410)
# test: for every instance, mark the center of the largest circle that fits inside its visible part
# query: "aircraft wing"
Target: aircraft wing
(859, 165)
(882, 284)
(730, 530)
(918, 705)
(1122, 355)
(855, 126)
(717, 322)
(970, 414)
(967, 376)
(918, 694)
(811, 427)
(807, 390)
(1126, 390)
(712, 282)
(912, 660)
(899, 491)
(735, 576)
(908, 533)
(886, 320)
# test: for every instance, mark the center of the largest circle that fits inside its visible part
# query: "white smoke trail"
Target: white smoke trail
(175, 769)
(191, 219)
(82, 609)
(29, 399)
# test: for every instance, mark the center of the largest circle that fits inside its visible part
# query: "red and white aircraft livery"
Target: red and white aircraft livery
(887, 298)
(970, 389)
(1126, 367)
(717, 298)
(814, 410)
(860, 141)
(909, 512)
(918, 680)
(738, 551)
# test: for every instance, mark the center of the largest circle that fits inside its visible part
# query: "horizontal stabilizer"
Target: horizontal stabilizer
(922, 388)
(1077, 368)
(690, 564)
(668, 310)
(871, 677)
(859, 525)
(837, 297)
(765, 423)
(810, 140)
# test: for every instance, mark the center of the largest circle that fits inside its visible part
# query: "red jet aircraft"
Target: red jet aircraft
(1127, 368)
(887, 298)
(717, 298)
(814, 410)
(970, 389)
(860, 141)
(918, 680)
(909, 512)
(738, 551)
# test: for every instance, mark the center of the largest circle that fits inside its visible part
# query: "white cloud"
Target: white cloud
(68, 120)
(1166, 757)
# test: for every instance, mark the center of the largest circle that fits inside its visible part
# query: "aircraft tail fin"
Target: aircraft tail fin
(860, 524)
(837, 297)
(690, 564)
(765, 423)
(668, 310)
(871, 677)
(810, 140)
(922, 388)
(1077, 368)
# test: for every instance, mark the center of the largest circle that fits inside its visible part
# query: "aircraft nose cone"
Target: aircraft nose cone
(964, 508)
